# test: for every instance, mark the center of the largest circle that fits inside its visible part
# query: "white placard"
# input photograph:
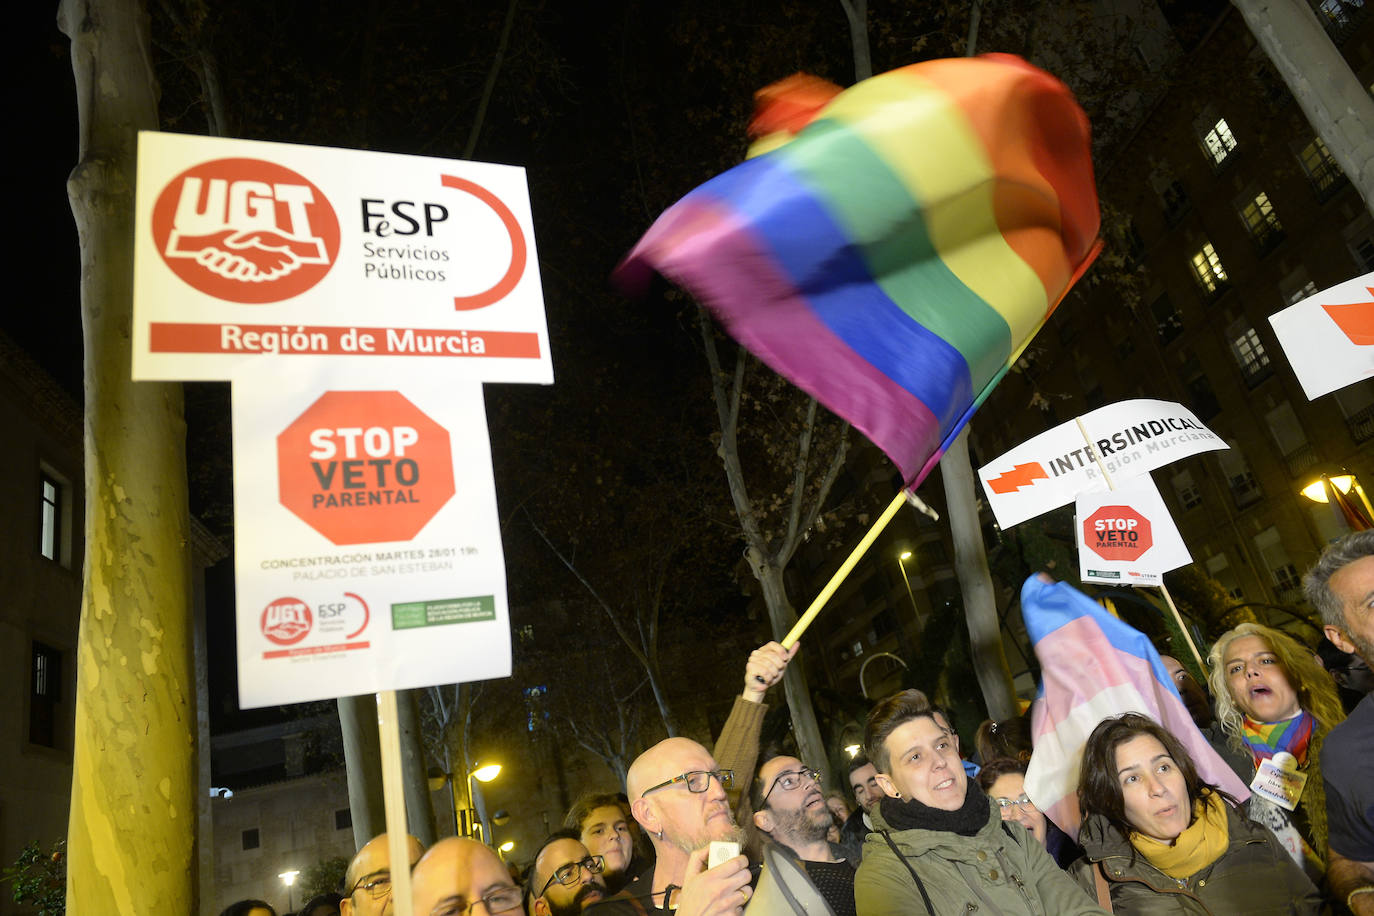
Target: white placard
(367, 544)
(1131, 437)
(1126, 536)
(1329, 338)
(248, 252)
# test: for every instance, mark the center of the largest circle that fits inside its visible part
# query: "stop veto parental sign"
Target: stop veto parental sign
(1117, 533)
(363, 467)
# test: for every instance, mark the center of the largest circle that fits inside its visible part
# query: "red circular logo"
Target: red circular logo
(245, 230)
(286, 621)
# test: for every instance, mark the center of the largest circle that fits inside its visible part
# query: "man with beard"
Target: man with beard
(790, 810)
(367, 882)
(566, 877)
(678, 795)
(939, 844)
(1341, 587)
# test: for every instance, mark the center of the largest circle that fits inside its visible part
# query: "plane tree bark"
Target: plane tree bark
(131, 836)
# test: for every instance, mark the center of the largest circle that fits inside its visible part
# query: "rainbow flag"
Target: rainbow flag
(1092, 666)
(894, 246)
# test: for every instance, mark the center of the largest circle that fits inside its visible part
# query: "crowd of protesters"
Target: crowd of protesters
(933, 831)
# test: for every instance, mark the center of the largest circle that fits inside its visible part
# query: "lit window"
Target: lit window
(1320, 166)
(1208, 270)
(1261, 221)
(1248, 351)
(48, 538)
(1219, 141)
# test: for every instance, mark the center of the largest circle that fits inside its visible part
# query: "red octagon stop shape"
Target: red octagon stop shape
(1117, 533)
(363, 467)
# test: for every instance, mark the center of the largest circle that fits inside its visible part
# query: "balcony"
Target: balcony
(1361, 424)
(1300, 459)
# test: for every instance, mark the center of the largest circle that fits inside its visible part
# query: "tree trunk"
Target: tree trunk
(363, 761)
(971, 565)
(1335, 103)
(782, 616)
(131, 838)
(419, 807)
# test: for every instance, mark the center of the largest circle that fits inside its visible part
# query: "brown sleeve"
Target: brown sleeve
(737, 748)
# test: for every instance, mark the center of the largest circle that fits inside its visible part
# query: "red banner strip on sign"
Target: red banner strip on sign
(316, 650)
(177, 337)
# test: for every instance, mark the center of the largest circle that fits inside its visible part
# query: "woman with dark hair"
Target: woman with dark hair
(249, 908)
(1157, 839)
(1004, 780)
(1274, 698)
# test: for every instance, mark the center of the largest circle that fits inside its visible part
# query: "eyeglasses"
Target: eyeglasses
(568, 874)
(791, 779)
(1021, 801)
(501, 900)
(697, 781)
(377, 885)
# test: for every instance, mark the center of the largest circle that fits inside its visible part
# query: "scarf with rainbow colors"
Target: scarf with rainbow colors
(1265, 739)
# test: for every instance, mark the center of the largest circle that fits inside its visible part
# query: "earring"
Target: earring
(659, 834)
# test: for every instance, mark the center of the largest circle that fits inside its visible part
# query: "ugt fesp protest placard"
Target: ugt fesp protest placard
(247, 252)
(1126, 535)
(367, 546)
(1131, 438)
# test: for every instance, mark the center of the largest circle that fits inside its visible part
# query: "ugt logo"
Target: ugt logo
(286, 621)
(245, 230)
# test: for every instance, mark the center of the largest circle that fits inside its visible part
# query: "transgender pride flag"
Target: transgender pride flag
(895, 256)
(1094, 666)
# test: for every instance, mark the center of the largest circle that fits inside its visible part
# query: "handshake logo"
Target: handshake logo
(246, 230)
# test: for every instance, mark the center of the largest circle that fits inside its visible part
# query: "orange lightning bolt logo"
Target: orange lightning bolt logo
(1356, 320)
(1023, 475)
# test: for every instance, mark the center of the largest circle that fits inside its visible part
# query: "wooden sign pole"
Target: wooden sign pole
(393, 794)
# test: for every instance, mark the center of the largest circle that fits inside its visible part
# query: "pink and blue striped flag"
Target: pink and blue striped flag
(891, 248)
(1093, 666)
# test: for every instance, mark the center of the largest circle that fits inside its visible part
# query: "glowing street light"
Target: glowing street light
(487, 773)
(289, 878)
(505, 848)
(852, 750)
(901, 564)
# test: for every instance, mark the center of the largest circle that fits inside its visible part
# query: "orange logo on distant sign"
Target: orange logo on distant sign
(1356, 320)
(245, 230)
(1023, 475)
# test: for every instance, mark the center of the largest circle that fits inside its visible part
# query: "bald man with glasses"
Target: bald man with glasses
(678, 794)
(790, 809)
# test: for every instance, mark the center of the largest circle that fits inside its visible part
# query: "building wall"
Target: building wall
(1147, 325)
(41, 604)
(297, 823)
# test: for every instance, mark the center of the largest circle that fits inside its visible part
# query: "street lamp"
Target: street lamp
(483, 773)
(505, 848)
(852, 750)
(901, 564)
(1340, 486)
(289, 878)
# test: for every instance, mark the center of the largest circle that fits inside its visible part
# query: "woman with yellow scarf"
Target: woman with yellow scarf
(1159, 840)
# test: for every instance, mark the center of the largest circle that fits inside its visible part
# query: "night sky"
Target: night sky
(616, 108)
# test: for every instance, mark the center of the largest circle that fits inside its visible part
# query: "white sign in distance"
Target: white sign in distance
(367, 544)
(246, 252)
(1131, 437)
(1126, 536)
(1329, 338)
